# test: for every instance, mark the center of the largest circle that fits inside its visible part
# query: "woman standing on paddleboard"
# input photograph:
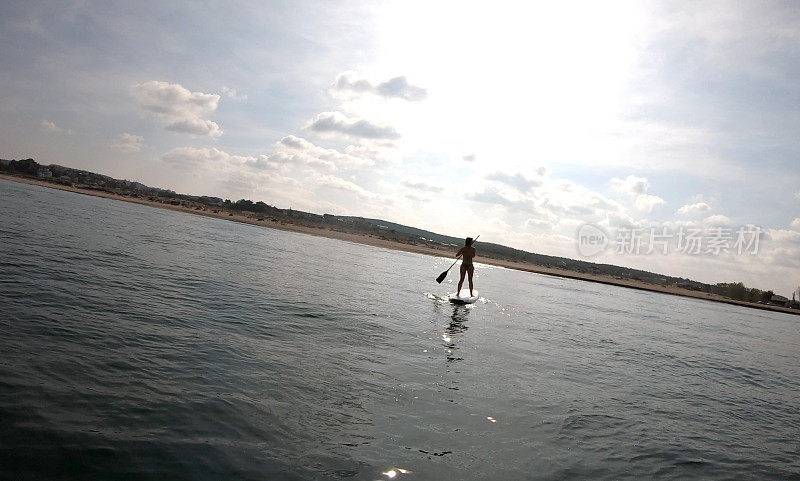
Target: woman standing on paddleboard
(466, 264)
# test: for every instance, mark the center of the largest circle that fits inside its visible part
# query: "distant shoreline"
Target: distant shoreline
(418, 249)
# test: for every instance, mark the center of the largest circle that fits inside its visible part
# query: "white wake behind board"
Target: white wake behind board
(463, 297)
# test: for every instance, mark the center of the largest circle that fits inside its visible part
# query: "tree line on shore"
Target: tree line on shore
(737, 290)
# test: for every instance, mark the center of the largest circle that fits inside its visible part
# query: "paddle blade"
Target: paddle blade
(441, 277)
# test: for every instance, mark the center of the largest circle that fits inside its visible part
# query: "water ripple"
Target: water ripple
(147, 344)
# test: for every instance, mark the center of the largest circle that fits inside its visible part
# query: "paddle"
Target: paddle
(444, 274)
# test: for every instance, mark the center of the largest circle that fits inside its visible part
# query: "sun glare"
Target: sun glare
(517, 72)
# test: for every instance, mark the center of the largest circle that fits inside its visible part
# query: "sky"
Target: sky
(519, 121)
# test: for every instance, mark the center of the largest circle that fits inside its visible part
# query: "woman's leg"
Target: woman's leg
(463, 270)
(470, 270)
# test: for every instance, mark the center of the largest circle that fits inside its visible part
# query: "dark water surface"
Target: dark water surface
(138, 343)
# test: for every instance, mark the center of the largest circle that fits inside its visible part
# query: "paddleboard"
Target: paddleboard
(463, 297)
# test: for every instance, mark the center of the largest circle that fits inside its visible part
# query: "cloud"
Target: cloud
(497, 225)
(631, 184)
(491, 195)
(338, 123)
(780, 248)
(558, 202)
(375, 151)
(49, 126)
(338, 183)
(620, 219)
(233, 94)
(129, 143)
(517, 181)
(397, 87)
(797, 194)
(796, 223)
(646, 202)
(208, 157)
(469, 158)
(573, 203)
(694, 208)
(422, 186)
(417, 198)
(297, 150)
(174, 100)
(182, 109)
(537, 223)
(637, 187)
(717, 219)
(196, 127)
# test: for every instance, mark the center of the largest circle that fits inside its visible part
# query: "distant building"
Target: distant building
(44, 173)
(777, 300)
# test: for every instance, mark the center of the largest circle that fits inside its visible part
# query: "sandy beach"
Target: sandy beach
(419, 249)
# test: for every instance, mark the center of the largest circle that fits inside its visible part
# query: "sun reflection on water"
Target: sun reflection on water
(394, 472)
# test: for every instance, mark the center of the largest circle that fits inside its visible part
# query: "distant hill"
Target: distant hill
(499, 251)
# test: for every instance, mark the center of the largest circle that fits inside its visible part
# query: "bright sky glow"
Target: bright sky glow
(519, 121)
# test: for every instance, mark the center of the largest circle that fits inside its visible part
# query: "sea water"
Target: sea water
(140, 343)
